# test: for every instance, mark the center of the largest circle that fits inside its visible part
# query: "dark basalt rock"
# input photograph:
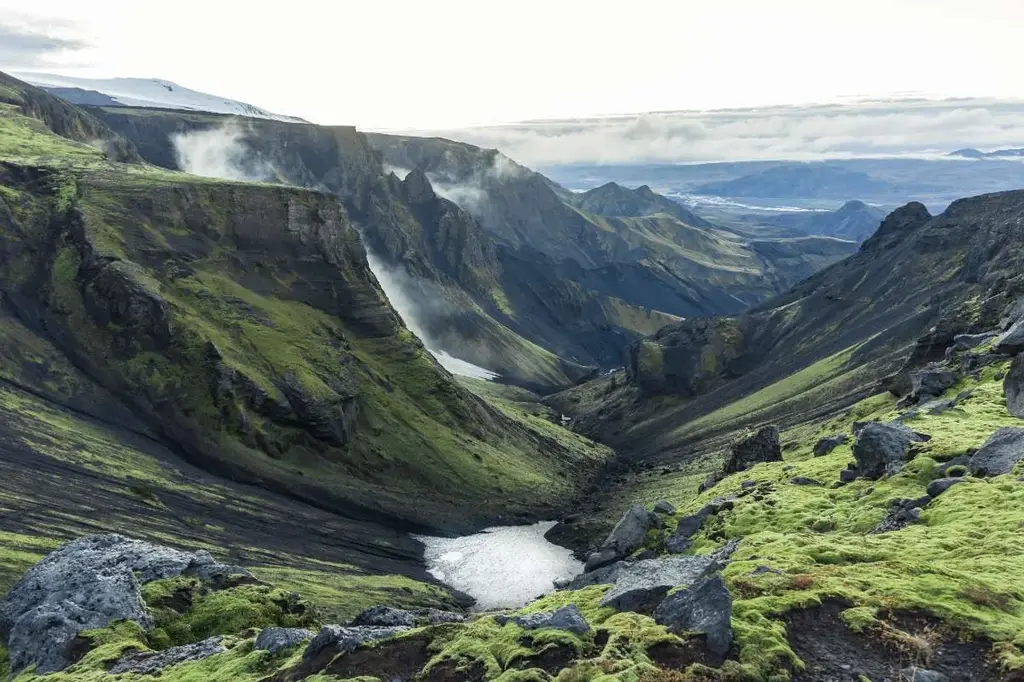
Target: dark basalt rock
(803, 480)
(154, 663)
(277, 639)
(829, 443)
(705, 608)
(567, 618)
(901, 514)
(88, 584)
(335, 639)
(1012, 341)
(941, 485)
(962, 342)
(1013, 387)
(1000, 453)
(933, 380)
(627, 536)
(881, 449)
(664, 507)
(641, 586)
(763, 446)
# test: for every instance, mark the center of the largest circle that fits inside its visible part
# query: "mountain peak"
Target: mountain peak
(417, 186)
(898, 224)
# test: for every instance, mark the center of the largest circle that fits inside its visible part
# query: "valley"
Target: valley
(281, 401)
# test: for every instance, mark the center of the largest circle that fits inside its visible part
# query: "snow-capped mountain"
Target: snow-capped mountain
(143, 92)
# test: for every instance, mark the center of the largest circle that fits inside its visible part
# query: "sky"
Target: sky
(444, 64)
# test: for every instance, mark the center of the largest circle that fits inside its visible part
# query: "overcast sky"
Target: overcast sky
(445, 63)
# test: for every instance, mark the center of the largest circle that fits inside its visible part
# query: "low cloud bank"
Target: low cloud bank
(866, 129)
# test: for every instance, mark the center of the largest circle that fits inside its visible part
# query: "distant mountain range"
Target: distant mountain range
(971, 153)
(855, 220)
(142, 92)
(811, 180)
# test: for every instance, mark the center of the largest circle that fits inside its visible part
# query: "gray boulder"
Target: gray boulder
(829, 443)
(763, 446)
(941, 485)
(1000, 453)
(1012, 341)
(881, 449)
(86, 584)
(567, 618)
(848, 475)
(664, 507)
(276, 639)
(341, 640)
(680, 539)
(154, 663)
(641, 586)
(705, 608)
(627, 536)
(606, 575)
(1013, 387)
(933, 380)
(803, 480)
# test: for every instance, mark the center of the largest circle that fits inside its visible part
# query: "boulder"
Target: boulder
(705, 608)
(829, 443)
(763, 446)
(1012, 341)
(627, 536)
(680, 541)
(606, 575)
(641, 586)
(848, 475)
(341, 640)
(567, 618)
(1013, 387)
(86, 584)
(803, 480)
(276, 639)
(664, 507)
(386, 616)
(881, 449)
(154, 663)
(933, 380)
(941, 485)
(1000, 453)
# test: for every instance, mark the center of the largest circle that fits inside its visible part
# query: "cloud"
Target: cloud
(220, 153)
(32, 46)
(863, 129)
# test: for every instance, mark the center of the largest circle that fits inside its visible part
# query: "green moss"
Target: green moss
(184, 611)
(5, 662)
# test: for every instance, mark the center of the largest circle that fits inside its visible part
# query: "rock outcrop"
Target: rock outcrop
(276, 640)
(387, 616)
(88, 584)
(705, 607)
(1013, 387)
(626, 537)
(829, 443)
(567, 618)
(763, 446)
(881, 449)
(154, 663)
(642, 585)
(1000, 453)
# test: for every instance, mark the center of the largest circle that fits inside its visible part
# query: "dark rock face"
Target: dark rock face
(153, 664)
(336, 639)
(763, 446)
(1013, 387)
(706, 608)
(87, 584)
(641, 586)
(567, 618)
(933, 380)
(1000, 453)
(962, 342)
(685, 359)
(941, 485)
(627, 536)
(829, 443)
(1012, 342)
(277, 639)
(881, 449)
(901, 514)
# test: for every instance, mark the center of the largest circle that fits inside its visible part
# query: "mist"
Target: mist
(222, 153)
